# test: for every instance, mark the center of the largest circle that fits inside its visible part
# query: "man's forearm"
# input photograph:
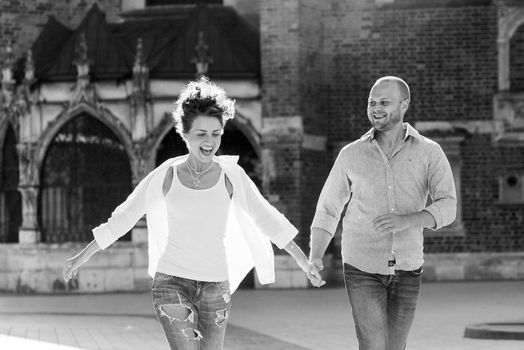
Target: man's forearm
(421, 219)
(319, 242)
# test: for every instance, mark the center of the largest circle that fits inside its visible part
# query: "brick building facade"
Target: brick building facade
(318, 59)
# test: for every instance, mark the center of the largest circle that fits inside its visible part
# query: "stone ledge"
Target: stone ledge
(474, 266)
(287, 275)
(37, 268)
(499, 330)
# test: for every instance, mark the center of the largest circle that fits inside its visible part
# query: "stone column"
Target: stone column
(140, 167)
(28, 186)
(292, 75)
(281, 146)
(281, 143)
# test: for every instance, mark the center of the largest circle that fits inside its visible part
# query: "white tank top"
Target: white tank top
(196, 222)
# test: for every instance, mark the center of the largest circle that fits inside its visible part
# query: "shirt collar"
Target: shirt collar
(410, 131)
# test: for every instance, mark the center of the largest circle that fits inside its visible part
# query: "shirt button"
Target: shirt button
(390, 187)
(392, 209)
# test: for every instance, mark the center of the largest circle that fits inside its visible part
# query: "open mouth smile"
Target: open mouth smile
(378, 116)
(206, 150)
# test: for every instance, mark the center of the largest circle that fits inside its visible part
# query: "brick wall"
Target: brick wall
(447, 52)
(22, 20)
(489, 225)
(279, 57)
(314, 170)
(311, 66)
(447, 55)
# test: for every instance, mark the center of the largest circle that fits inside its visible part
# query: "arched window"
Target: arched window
(172, 145)
(234, 142)
(10, 199)
(516, 54)
(85, 176)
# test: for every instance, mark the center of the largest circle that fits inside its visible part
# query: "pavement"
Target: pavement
(300, 319)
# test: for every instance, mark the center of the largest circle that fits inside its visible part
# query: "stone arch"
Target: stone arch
(246, 127)
(10, 196)
(84, 175)
(103, 115)
(155, 139)
(510, 20)
(4, 125)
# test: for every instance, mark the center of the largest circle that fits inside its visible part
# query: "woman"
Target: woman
(208, 225)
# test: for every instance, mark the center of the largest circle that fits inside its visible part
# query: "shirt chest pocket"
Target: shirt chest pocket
(411, 171)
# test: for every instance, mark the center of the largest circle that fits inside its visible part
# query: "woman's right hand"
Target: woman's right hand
(71, 266)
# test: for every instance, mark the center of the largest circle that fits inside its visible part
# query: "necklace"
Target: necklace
(197, 175)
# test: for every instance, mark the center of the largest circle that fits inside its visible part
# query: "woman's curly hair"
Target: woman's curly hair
(202, 97)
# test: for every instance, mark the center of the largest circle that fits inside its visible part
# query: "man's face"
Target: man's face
(386, 107)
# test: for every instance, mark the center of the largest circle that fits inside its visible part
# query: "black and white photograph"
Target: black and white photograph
(262, 174)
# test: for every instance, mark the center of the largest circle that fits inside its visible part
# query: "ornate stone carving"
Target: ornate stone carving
(141, 163)
(502, 7)
(81, 59)
(201, 60)
(27, 153)
(139, 93)
(83, 91)
(28, 187)
(29, 68)
(8, 65)
(140, 70)
(8, 83)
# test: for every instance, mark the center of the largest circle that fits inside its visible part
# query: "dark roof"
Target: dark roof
(168, 37)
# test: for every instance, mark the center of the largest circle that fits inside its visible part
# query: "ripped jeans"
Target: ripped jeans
(193, 314)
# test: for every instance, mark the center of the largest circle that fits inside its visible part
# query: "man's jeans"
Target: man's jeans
(193, 314)
(383, 306)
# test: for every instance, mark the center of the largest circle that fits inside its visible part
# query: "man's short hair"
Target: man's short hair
(402, 85)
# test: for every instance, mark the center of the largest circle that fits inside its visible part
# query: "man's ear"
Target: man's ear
(405, 105)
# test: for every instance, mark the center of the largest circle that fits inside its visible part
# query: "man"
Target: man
(384, 178)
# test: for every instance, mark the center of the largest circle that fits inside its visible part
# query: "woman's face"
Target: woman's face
(204, 137)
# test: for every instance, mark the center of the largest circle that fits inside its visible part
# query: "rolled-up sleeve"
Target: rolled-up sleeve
(441, 189)
(123, 218)
(266, 217)
(334, 196)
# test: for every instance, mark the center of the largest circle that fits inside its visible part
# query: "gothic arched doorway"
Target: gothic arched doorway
(10, 198)
(233, 143)
(85, 176)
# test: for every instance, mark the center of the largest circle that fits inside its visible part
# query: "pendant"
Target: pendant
(196, 182)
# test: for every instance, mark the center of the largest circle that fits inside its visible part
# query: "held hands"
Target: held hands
(391, 223)
(313, 273)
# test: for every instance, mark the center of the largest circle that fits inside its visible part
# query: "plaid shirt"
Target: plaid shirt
(373, 185)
